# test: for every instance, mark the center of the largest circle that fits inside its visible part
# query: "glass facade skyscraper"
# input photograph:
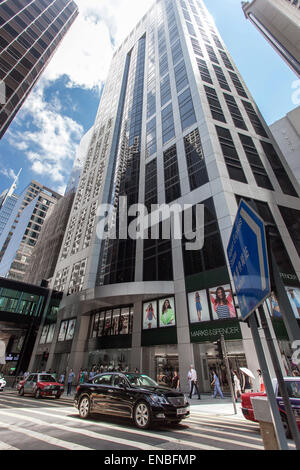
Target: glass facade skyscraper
(176, 124)
(30, 32)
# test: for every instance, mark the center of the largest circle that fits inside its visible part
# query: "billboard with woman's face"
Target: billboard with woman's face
(198, 306)
(167, 312)
(222, 303)
(150, 315)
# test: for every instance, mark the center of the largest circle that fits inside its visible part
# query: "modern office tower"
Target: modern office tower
(8, 200)
(30, 32)
(79, 162)
(176, 124)
(23, 229)
(279, 22)
(286, 132)
(45, 253)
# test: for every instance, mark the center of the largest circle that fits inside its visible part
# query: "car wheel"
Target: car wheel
(21, 392)
(286, 427)
(142, 416)
(37, 394)
(84, 407)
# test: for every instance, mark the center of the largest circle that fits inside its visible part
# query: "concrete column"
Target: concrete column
(136, 351)
(78, 357)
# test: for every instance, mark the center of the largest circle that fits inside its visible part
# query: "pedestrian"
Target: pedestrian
(236, 385)
(216, 384)
(71, 377)
(246, 383)
(261, 381)
(137, 371)
(176, 381)
(193, 378)
(62, 378)
(295, 373)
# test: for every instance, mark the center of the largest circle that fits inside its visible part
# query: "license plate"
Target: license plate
(182, 411)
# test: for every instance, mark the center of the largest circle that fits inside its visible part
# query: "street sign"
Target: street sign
(248, 259)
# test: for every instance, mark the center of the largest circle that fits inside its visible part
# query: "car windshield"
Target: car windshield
(141, 380)
(46, 378)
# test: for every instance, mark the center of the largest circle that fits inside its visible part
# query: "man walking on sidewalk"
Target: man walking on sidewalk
(70, 381)
(193, 378)
(216, 384)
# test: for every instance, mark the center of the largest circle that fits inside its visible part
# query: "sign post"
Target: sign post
(248, 258)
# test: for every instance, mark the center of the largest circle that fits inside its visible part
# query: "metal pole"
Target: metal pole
(279, 430)
(281, 383)
(228, 372)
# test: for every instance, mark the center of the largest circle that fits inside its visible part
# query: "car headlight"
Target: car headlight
(158, 399)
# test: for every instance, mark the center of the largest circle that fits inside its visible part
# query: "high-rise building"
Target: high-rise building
(279, 22)
(30, 32)
(8, 200)
(79, 162)
(176, 124)
(286, 132)
(44, 256)
(23, 228)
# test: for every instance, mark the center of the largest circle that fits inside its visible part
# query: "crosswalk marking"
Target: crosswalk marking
(139, 432)
(4, 446)
(237, 426)
(224, 431)
(83, 431)
(44, 438)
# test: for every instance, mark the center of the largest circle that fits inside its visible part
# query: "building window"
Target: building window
(226, 60)
(195, 160)
(255, 121)
(235, 112)
(168, 130)
(151, 137)
(291, 218)
(258, 169)
(231, 157)
(204, 72)
(196, 47)
(151, 184)
(211, 53)
(238, 85)
(181, 76)
(221, 78)
(212, 254)
(186, 109)
(279, 170)
(171, 172)
(214, 104)
(165, 90)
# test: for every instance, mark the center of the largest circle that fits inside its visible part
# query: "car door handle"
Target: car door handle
(110, 391)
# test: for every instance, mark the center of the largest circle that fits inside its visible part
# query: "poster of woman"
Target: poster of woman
(71, 330)
(150, 315)
(294, 296)
(273, 305)
(198, 306)
(222, 302)
(167, 312)
(44, 334)
(63, 330)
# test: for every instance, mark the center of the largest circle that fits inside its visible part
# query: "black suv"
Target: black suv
(134, 396)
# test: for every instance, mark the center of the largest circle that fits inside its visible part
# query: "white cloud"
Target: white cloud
(86, 51)
(51, 146)
(8, 172)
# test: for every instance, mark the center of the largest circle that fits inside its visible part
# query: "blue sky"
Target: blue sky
(44, 136)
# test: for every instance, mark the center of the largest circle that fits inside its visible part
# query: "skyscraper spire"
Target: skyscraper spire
(14, 185)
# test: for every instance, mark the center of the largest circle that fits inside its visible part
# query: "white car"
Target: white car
(2, 383)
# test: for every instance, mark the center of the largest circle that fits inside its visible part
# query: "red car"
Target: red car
(293, 388)
(40, 385)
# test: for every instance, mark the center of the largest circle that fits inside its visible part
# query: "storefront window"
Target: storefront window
(112, 322)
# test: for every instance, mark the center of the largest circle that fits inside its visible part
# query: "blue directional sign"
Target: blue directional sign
(248, 259)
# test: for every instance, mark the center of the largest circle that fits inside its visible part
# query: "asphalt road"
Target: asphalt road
(49, 424)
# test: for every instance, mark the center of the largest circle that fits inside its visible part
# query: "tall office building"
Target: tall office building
(176, 124)
(30, 32)
(8, 201)
(279, 22)
(23, 228)
(286, 132)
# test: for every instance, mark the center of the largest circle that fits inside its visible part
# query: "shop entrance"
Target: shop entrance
(165, 366)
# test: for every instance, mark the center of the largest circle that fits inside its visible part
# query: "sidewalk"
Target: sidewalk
(215, 406)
